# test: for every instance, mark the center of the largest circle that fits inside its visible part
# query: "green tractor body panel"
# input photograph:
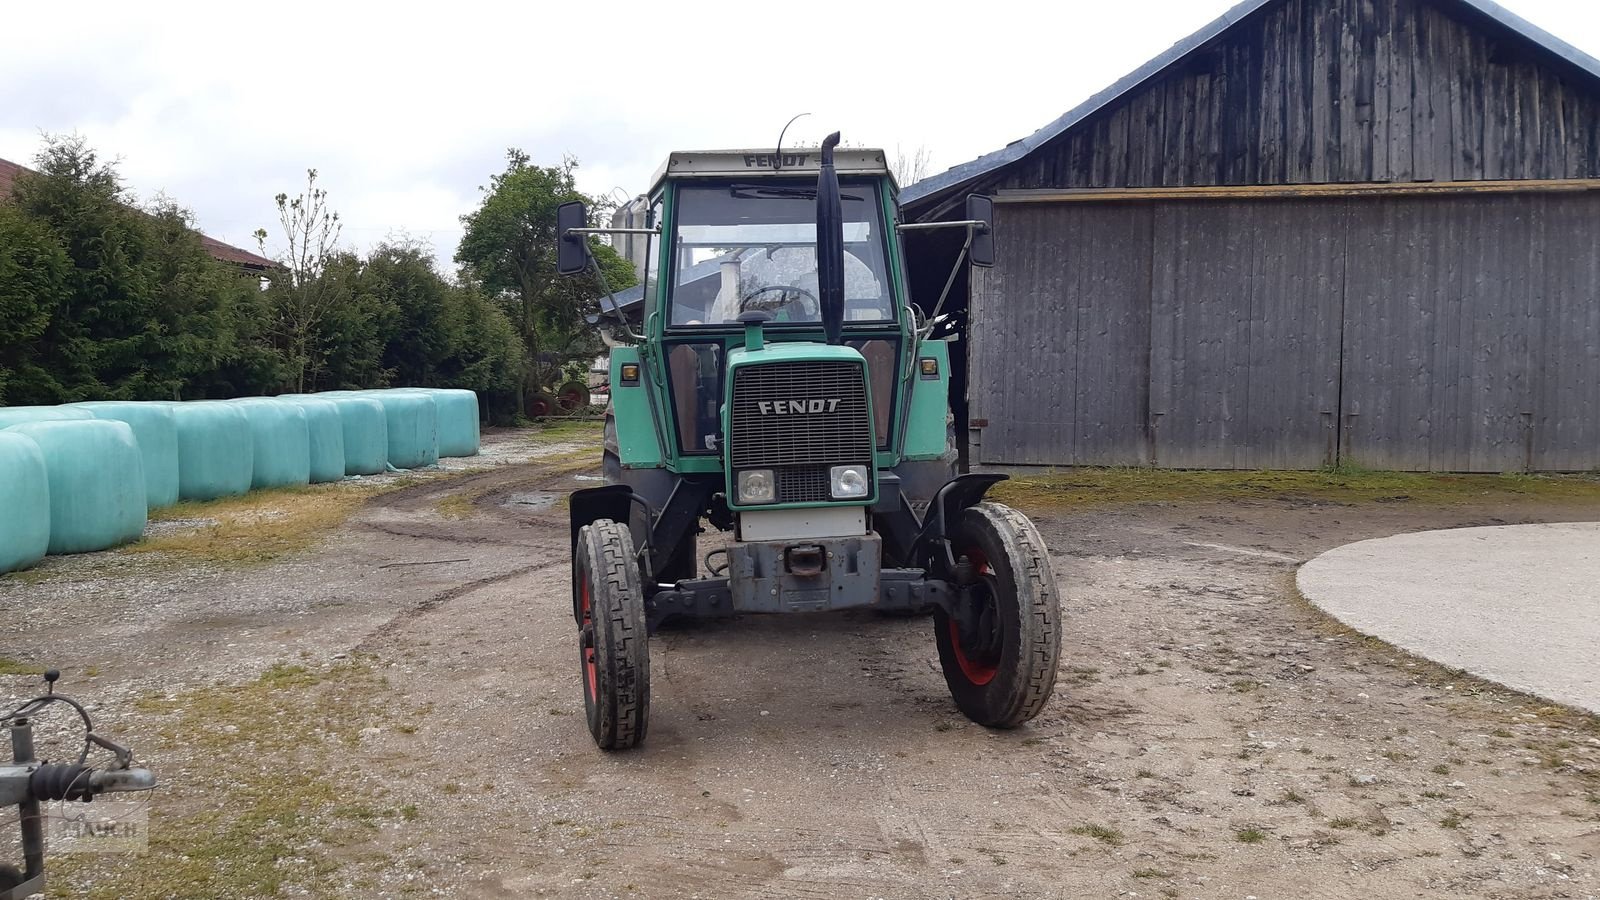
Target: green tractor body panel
(791, 410)
(927, 431)
(638, 443)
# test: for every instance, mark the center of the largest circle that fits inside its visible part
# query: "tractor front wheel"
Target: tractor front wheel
(1000, 647)
(613, 644)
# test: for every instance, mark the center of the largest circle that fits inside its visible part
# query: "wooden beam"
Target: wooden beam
(1291, 191)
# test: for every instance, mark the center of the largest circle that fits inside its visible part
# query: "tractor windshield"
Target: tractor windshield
(741, 246)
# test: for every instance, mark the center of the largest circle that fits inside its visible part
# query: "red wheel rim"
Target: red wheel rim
(570, 400)
(586, 640)
(976, 671)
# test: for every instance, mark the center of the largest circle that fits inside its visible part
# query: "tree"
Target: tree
(487, 352)
(302, 299)
(912, 169)
(93, 338)
(34, 273)
(192, 316)
(510, 249)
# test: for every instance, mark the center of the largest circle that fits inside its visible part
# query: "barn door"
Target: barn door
(1245, 334)
(1059, 332)
(1437, 333)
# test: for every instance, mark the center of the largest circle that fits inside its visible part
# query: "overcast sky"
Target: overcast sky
(407, 108)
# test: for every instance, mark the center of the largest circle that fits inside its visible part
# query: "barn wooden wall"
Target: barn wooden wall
(1417, 333)
(1320, 91)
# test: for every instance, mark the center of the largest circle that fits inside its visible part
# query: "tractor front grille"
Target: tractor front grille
(800, 419)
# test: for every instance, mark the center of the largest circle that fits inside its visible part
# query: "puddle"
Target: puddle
(530, 500)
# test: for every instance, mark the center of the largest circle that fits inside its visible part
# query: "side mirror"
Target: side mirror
(572, 256)
(981, 209)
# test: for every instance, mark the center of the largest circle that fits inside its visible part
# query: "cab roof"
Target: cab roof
(766, 163)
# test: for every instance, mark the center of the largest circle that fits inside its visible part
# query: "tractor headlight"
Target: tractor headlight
(757, 486)
(846, 482)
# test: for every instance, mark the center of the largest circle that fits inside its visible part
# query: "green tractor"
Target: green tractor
(786, 390)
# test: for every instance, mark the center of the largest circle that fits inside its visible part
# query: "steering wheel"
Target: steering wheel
(745, 304)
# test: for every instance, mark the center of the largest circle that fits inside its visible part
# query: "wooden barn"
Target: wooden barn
(1317, 231)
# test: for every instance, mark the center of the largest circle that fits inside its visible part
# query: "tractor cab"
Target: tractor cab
(781, 387)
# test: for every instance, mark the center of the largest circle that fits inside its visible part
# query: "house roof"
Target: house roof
(921, 193)
(238, 256)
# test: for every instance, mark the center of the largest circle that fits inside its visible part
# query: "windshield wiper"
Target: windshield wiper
(779, 192)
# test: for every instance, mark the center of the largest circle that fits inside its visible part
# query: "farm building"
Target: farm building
(1317, 231)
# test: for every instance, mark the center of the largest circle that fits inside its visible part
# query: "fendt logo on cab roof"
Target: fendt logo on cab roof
(764, 160)
(797, 407)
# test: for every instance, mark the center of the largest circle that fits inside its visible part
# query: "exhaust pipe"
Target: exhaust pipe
(830, 244)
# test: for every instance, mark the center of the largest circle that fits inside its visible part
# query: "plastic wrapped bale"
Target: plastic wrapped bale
(17, 415)
(326, 430)
(412, 421)
(25, 497)
(282, 443)
(216, 457)
(457, 412)
(366, 432)
(96, 482)
(156, 430)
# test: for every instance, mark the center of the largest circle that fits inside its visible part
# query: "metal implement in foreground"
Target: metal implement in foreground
(27, 782)
(785, 389)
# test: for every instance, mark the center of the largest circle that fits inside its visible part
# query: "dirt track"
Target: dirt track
(1210, 737)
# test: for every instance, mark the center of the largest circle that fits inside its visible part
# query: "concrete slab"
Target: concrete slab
(1516, 604)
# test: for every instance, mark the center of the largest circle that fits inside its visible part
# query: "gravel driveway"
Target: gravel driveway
(406, 721)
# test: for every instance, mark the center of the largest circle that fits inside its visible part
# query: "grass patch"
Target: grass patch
(462, 504)
(1117, 486)
(258, 807)
(1250, 835)
(1102, 833)
(10, 666)
(557, 431)
(260, 526)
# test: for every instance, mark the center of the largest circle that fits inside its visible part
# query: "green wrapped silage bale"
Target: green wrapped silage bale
(366, 432)
(326, 431)
(25, 497)
(412, 420)
(156, 430)
(457, 412)
(216, 456)
(96, 479)
(282, 444)
(17, 415)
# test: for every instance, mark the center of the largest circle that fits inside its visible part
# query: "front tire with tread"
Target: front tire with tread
(613, 641)
(1004, 673)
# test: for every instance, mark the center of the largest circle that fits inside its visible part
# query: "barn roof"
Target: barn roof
(923, 192)
(9, 172)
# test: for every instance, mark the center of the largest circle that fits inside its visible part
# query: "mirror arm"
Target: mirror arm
(961, 258)
(616, 309)
(614, 230)
(930, 226)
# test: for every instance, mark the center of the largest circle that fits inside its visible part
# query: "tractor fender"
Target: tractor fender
(614, 502)
(932, 546)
